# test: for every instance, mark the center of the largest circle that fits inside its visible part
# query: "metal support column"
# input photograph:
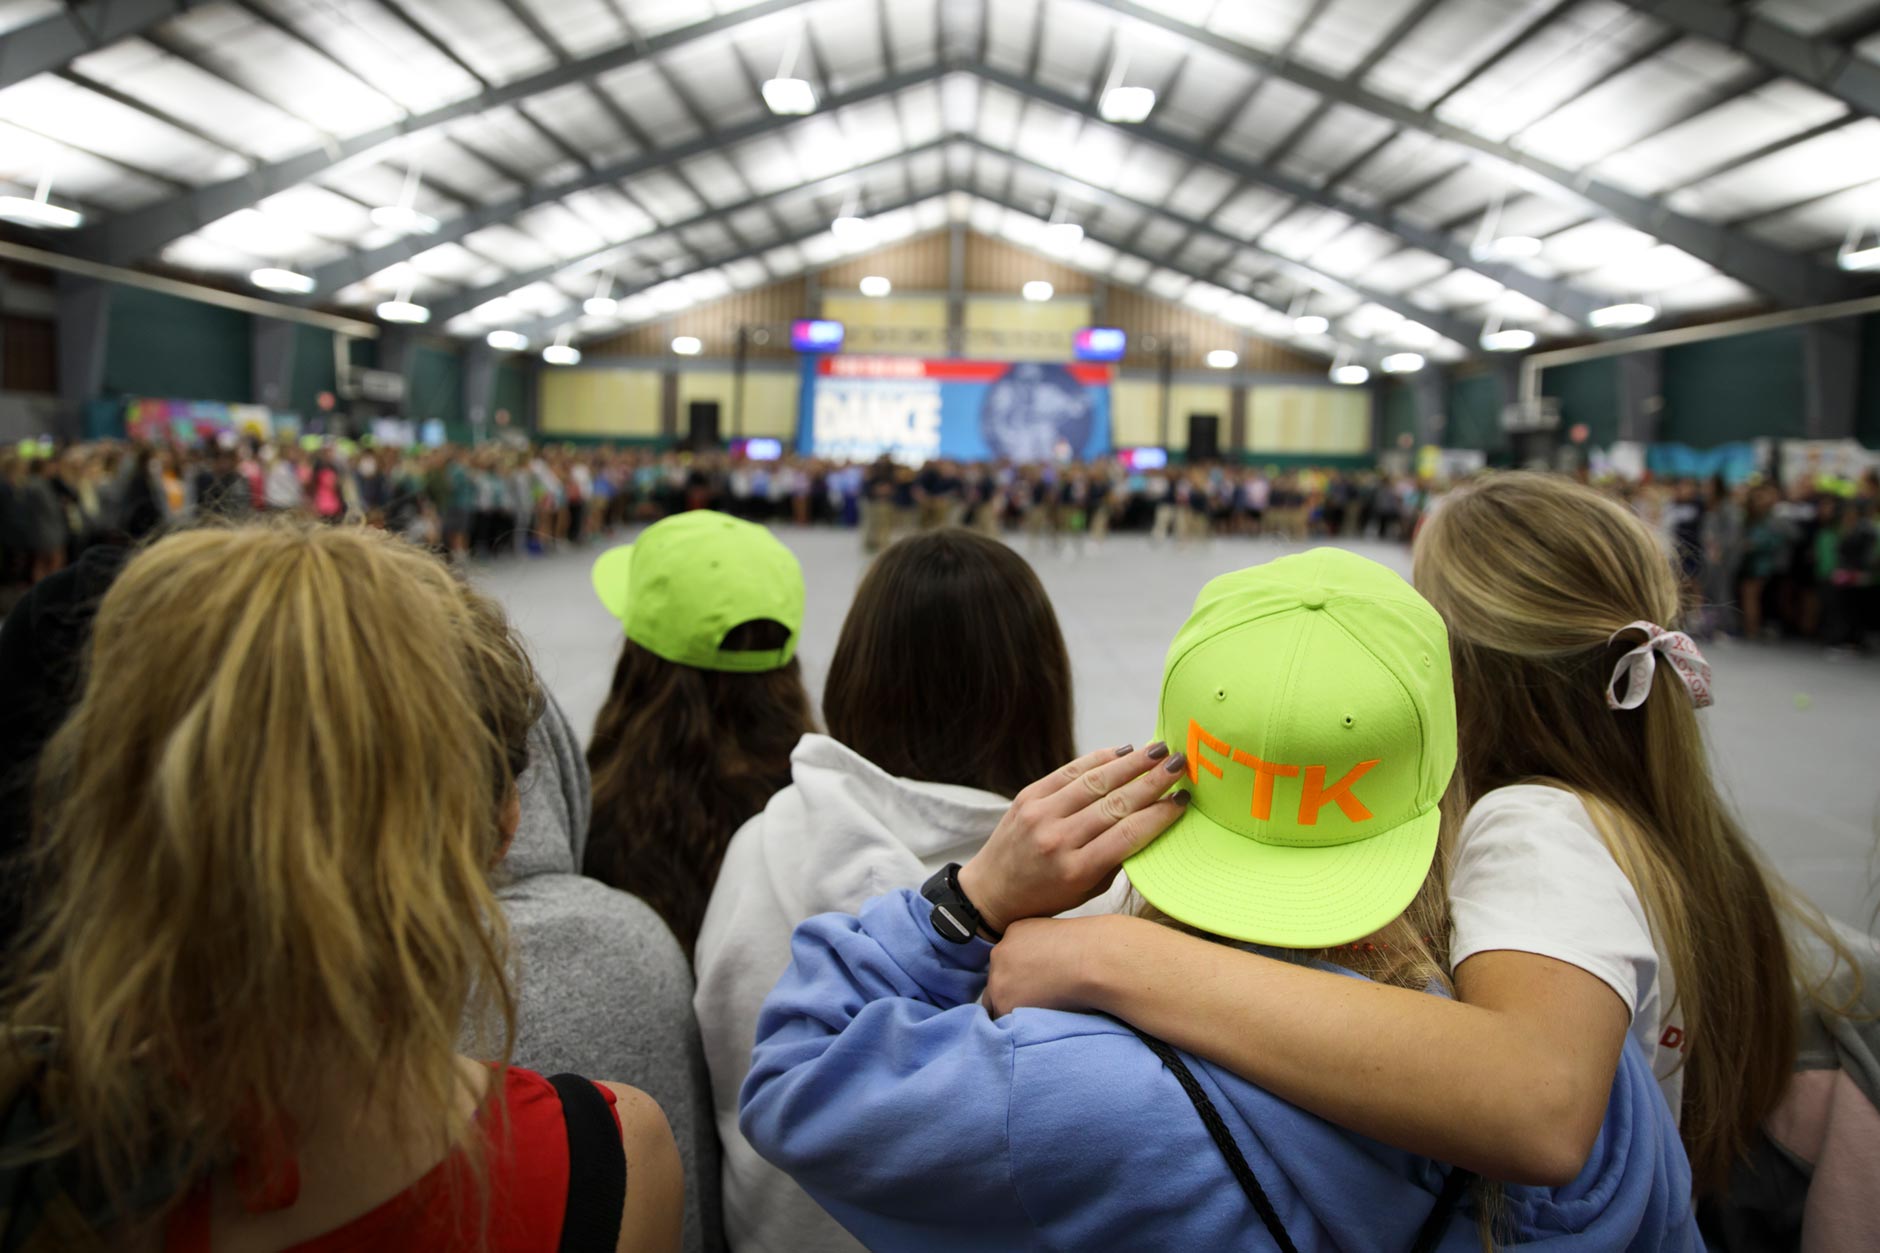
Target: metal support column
(479, 386)
(1830, 377)
(84, 309)
(271, 356)
(956, 290)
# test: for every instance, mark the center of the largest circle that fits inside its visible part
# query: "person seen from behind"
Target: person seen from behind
(706, 705)
(1603, 897)
(267, 832)
(1315, 699)
(949, 691)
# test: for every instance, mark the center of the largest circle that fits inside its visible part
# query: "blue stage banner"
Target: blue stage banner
(857, 408)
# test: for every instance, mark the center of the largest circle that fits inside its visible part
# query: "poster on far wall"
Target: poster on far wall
(1835, 460)
(858, 408)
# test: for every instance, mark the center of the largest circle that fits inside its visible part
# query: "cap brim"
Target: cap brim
(610, 573)
(1221, 882)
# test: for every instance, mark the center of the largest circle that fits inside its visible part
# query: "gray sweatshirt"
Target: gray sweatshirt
(602, 988)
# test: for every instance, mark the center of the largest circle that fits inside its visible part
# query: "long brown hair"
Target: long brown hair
(681, 758)
(267, 832)
(1533, 575)
(951, 667)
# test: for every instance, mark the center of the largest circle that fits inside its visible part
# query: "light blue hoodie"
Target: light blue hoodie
(921, 1123)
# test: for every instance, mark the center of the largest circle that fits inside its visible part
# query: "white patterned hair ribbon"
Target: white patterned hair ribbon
(1637, 667)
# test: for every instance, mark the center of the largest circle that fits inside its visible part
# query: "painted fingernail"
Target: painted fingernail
(1157, 751)
(1176, 764)
(1181, 799)
(1125, 750)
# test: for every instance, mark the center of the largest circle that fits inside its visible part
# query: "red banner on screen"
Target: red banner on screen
(945, 371)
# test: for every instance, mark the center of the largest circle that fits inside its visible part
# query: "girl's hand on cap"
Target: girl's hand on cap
(1064, 837)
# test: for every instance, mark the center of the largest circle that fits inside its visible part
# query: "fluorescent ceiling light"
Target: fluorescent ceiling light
(273, 278)
(600, 306)
(562, 354)
(1514, 339)
(1223, 358)
(1513, 247)
(1861, 258)
(404, 311)
(851, 230)
(405, 219)
(1311, 324)
(1063, 236)
(1037, 289)
(876, 285)
(507, 341)
(687, 346)
(1350, 375)
(1402, 363)
(38, 213)
(1631, 313)
(1126, 104)
(791, 97)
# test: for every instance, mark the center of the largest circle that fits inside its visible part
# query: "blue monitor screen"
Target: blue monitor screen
(1099, 343)
(757, 449)
(815, 335)
(1144, 458)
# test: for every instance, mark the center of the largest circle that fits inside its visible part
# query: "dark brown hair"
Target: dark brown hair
(681, 758)
(951, 667)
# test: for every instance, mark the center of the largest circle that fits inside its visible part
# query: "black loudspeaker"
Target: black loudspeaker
(1204, 437)
(701, 418)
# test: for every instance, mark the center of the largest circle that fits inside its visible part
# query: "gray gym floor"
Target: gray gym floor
(1793, 733)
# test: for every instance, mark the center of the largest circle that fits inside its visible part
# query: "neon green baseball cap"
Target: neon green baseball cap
(1314, 699)
(692, 578)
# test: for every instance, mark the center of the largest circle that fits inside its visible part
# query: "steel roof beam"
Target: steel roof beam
(54, 42)
(1561, 297)
(464, 302)
(1460, 330)
(1774, 271)
(351, 270)
(1823, 64)
(133, 236)
(542, 328)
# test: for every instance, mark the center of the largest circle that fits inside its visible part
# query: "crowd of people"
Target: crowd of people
(1421, 923)
(1764, 561)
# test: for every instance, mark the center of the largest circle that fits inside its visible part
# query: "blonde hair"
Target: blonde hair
(268, 832)
(1533, 575)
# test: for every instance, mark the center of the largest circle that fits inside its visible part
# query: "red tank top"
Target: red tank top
(528, 1191)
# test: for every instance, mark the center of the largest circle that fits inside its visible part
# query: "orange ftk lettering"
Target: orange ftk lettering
(1314, 795)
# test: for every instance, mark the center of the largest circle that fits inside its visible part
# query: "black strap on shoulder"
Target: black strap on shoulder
(1428, 1237)
(1223, 1140)
(597, 1169)
(1454, 1187)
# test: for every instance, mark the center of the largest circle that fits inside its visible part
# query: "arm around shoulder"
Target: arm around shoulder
(655, 1208)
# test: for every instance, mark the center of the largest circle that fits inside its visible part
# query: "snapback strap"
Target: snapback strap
(597, 1169)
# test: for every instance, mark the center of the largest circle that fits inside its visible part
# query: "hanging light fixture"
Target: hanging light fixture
(561, 352)
(1491, 245)
(1495, 338)
(687, 345)
(1124, 105)
(1853, 257)
(786, 94)
(507, 341)
(274, 278)
(876, 285)
(1621, 316)
(40, 212)
(1223, 359)
(404, 216)
(403, 309)
(1037, 290)
(1346, 372)
(1402, 363)
(601, 304)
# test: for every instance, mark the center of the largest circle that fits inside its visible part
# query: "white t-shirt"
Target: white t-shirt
(1532, 875)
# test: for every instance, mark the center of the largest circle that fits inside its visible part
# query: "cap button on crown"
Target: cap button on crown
(1312, 598)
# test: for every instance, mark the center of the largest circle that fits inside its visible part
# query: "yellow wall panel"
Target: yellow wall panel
(1308, 419)
(1134, 412)
(599, 402)
(1188, 398)
(769, 400)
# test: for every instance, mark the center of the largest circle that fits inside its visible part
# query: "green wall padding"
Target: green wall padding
(1588, 392)
(1475, 414)
(166, 347)
(1744, 387)
(435, 390)
(510, 390)
(363, 352)
(313, 369)
(1400, 413)
(1867, 406)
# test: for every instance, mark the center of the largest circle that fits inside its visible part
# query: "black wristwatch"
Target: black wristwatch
(954, 917)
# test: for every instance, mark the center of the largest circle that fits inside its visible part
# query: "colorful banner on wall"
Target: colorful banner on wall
(857, 408)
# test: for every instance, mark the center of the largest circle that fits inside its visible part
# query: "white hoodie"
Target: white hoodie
(843, 831)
